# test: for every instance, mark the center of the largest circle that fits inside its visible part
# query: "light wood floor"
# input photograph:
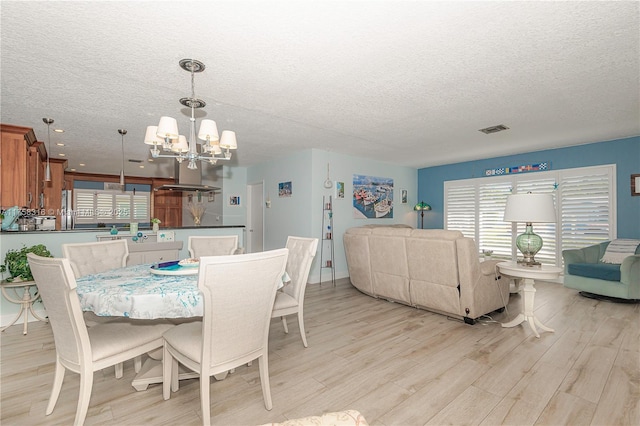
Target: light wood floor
(395, 364)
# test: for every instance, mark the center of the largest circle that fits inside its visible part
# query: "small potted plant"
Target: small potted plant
(487, 253)
(15, 261)
(155, 223)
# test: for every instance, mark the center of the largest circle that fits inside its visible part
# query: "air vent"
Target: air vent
(494, 129)
(131, 160)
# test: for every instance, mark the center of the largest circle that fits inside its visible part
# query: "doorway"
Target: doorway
(255, 218)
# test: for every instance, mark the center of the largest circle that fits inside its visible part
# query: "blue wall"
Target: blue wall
(625, 153)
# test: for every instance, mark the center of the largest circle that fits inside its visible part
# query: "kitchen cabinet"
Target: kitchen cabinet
(167, 204)
(15, 186)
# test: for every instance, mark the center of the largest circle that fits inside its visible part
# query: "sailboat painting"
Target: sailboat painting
(372, 197)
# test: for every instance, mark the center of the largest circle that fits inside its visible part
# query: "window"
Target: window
(97, 206)
(584, 199)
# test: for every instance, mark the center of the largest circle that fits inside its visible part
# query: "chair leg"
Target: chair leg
(167, 363)
(204, 400)
(137, 363)
(263, 364)
(284, 323)
(119, 370)
(57, 387)
(303, 333)
(175, 383)
(86, 383)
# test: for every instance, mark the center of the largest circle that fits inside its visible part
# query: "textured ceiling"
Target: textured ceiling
(409, 83)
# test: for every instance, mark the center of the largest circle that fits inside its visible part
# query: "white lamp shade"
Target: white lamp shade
(208, 129)
(530, 208)
(151, 136)
(181, 145)
(213, 148)
(228, 140)
(167, 128)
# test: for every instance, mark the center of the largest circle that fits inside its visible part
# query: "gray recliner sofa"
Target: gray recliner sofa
(432, 269)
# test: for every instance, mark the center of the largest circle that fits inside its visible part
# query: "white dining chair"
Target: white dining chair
(93, 258)
(290, 300)
(81, 349)
(223, 245)
(238, 294)
(96, 257)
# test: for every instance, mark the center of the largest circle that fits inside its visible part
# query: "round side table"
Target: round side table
(528, 275)
(25, 301)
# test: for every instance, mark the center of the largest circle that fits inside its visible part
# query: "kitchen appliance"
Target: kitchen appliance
(26, 224)
(45, 223)
(67, 219)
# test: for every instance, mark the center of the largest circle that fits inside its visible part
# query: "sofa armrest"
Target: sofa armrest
(630, 270)
(488, 267)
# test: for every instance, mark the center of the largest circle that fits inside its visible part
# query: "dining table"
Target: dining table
(157, 291)
(140, 292)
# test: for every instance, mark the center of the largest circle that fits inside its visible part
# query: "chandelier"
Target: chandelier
(175, 145)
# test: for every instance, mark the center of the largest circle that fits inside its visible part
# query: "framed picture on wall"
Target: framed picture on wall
(285, 189)
(404, 198)
(234, 200)
(339, 190)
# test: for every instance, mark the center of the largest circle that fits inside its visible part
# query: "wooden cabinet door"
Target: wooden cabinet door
(14, 143)
(167, 205)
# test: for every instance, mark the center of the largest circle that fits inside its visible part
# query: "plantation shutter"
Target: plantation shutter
(586, 207)
(493, 232)
(98, 206)
(460, 210)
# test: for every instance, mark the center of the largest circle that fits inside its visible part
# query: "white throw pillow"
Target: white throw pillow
(619, 249)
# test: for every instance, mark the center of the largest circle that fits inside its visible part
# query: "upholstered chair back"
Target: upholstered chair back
(301, 254)
(238, 294)
(212, 245)
(92, 258)
(57, 287)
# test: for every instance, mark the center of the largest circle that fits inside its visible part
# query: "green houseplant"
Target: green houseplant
(15, 261)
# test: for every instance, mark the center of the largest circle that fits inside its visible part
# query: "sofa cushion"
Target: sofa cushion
(601, 271)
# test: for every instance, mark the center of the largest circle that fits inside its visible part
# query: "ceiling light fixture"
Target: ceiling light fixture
(47, 172)
(166, 133)
(122, 133)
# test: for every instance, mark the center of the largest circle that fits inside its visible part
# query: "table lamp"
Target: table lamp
(422, 207)
(529, 208)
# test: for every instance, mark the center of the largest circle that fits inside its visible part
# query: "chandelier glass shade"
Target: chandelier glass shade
(167, 142)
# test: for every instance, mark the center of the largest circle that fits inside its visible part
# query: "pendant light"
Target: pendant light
(47, 172)
(122, 133)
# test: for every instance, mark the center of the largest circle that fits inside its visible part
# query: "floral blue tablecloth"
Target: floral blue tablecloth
(135, 292)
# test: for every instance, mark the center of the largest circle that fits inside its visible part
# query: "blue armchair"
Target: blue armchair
(583, 271)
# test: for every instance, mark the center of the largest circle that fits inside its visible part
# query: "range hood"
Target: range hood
(188, 180)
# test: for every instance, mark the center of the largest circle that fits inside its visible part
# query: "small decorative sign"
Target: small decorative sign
(538, 167)
(164, 236)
